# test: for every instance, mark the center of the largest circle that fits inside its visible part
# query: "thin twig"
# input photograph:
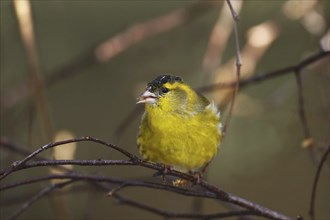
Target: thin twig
(16, 165)
(22, 151)
(316, 179)
(308, 140)
(302, 113)
(261, 77)
(7, 144)
(37, 196)
(238, 68)
(97, 162)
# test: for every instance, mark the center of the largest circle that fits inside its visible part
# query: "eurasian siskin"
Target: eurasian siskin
(180, 128)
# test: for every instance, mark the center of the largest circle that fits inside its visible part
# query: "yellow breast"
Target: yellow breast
(186, 141)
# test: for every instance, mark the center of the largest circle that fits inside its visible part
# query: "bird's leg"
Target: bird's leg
(205, 167)
(166, 169)
(163, 172)
(197, 176)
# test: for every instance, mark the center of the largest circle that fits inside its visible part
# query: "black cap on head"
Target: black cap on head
(161, 80)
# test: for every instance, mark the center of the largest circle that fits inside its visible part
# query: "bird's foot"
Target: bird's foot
(163, 172)
(197, 177)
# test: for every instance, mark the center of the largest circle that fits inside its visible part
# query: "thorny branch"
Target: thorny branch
(133, 160)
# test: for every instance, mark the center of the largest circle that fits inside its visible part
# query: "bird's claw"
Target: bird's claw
(197, 177)
(163, 172)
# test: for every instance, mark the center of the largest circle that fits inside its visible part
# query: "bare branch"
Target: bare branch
(238, 68)
(316, 179)
(7, 144)
(268, 75)
(16, 165)
(72, 162)
(219, 193)
(308, 140)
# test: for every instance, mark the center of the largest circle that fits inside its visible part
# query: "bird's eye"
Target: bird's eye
(165, 90)
(177, 78)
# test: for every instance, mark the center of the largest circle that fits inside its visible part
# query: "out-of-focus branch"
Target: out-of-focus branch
(167, 214)
(260, 37)
(219, 193)
(127, 121)
(108, 49)
(316, 179)
(139, 32)
(219, 38)
(23, 196)
(37, 196)
(36, 82)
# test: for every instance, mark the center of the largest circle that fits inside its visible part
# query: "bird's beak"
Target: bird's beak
(147, 97)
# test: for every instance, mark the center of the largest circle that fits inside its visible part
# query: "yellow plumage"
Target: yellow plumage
(179, 128)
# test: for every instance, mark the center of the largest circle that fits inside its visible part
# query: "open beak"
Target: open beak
(147, 97)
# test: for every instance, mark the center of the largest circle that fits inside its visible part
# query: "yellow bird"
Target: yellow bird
(180, 128)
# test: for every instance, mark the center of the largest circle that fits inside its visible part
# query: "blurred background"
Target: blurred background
(75, 68)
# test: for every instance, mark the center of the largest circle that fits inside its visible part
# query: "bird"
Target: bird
(180, 128)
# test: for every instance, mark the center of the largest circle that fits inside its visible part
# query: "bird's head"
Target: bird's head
(167, 92)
